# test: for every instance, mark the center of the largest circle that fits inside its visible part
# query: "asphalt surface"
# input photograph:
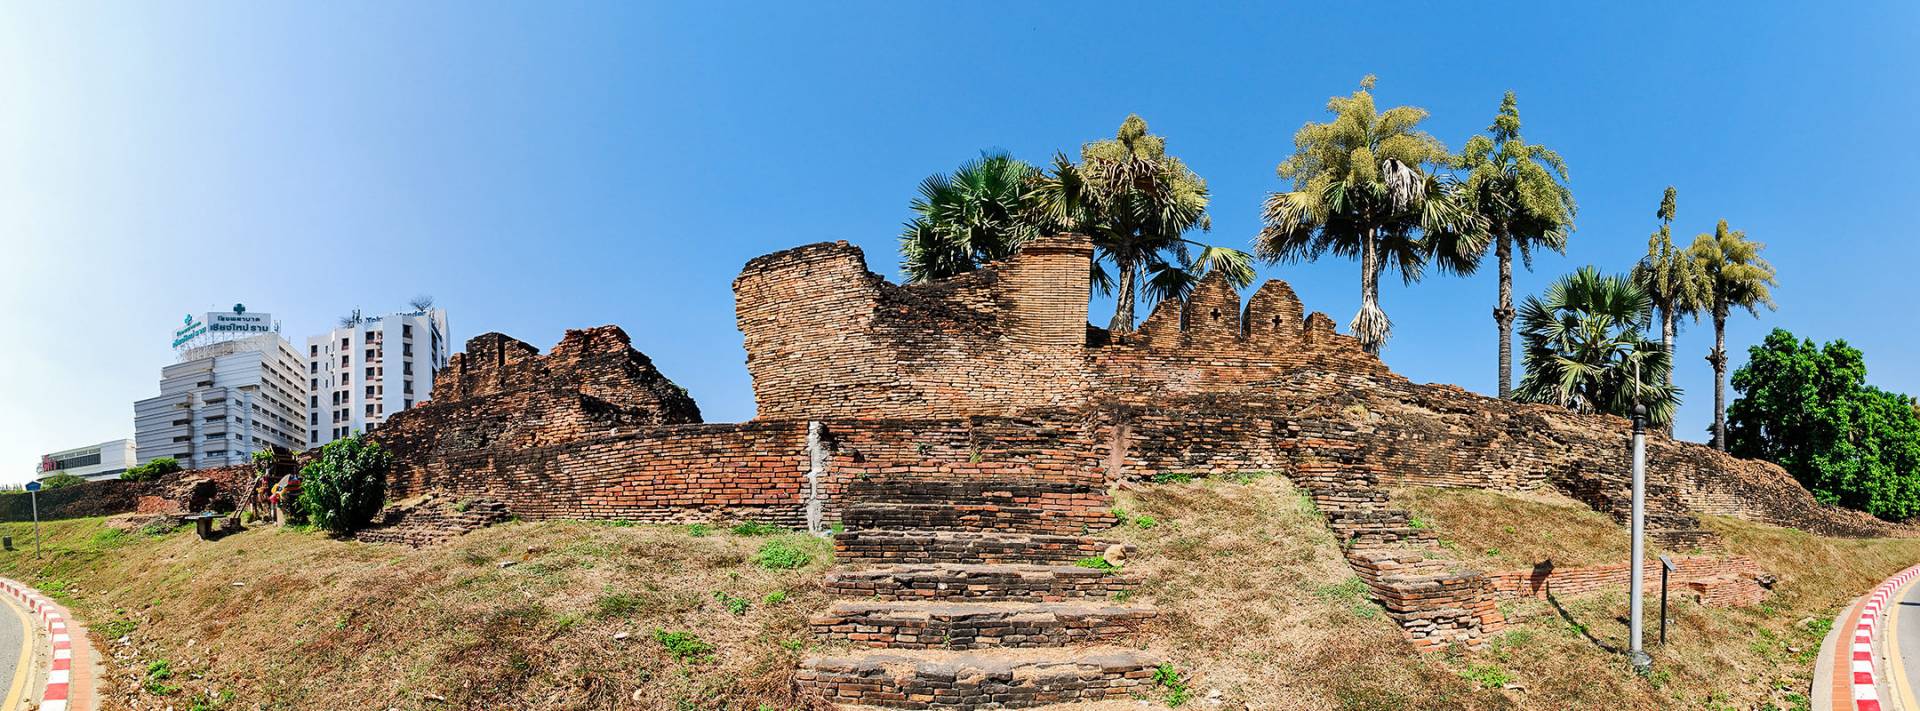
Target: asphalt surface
(1907, 636)
(12, 633)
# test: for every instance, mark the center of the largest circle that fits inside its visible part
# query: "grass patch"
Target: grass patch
(1096, 563)
(781, 555)
(754, 528)
(685, 647)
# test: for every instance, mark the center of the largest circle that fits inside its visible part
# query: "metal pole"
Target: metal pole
(34, 496)
(1635, 655)
(1663, 605)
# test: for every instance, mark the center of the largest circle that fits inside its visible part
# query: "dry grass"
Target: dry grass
(284, 619)
(1497, 531)
(1256, 602)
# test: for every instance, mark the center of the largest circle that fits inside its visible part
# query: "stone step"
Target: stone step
(1001, 678)
(983, 582)
(975, 515)
(886, 546)
(909, 489)
(978, 625)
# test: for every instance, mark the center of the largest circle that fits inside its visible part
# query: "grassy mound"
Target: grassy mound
(552, 615)
(1256, 603)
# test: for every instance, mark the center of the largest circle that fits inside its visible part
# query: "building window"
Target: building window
(313, 437)
(406, 330)
(369, 410)
(344, 362)
(316, 402)
(345, 344)
(406, 386)
(406, 349)
(406, 367)
(313, 351)
(369, 372)
(406, 404)
(369, 391)
(315, 419)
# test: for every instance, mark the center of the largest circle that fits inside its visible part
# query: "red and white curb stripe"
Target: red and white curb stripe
(55, 618)
(1865, 695)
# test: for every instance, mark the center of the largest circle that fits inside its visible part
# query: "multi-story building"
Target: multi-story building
(369, 368)
(237, 389)
(105, 460)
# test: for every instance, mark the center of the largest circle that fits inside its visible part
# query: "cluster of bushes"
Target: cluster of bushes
(151, 470)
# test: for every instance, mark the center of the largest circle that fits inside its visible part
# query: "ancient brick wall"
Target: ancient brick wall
(1718, 577)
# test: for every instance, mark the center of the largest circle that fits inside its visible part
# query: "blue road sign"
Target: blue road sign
(33, 486)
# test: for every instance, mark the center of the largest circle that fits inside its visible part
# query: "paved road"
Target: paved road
(1905, 615)
(16, 658)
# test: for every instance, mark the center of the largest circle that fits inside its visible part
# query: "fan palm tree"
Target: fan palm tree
(1584, 348)
(1670, 277)
(1734, 275)
(1519, 191)
(979, 214)
(1136, 204)
(1360, 190)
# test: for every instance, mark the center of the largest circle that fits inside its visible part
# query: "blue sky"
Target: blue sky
(541, 168)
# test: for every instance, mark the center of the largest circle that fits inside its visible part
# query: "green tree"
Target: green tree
(151, 470)
(1670, 276)
(345, 487)
(1734, 276)
(1584, 347)
(978, 214)
(1137, 204)
(1518, 191)
(1361, 189)
(61, 480)
(1810, 410)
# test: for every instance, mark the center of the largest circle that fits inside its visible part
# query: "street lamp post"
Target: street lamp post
(1635, 655)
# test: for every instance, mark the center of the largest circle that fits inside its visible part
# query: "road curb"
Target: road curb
(1866, 696)
(62, 630)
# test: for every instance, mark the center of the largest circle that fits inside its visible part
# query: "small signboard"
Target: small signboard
(1667, 563)
(33, 486)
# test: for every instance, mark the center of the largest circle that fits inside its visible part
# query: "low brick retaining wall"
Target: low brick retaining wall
(1732, 581)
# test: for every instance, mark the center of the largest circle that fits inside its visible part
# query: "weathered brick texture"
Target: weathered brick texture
(1713, 580)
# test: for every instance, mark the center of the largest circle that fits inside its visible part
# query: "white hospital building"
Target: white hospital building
(369, 368)
(238, 388)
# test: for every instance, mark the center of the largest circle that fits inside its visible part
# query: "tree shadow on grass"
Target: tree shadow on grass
(1579, 626)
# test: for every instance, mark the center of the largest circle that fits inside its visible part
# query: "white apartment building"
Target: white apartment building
(225, 399)
(369, 368)
(95, 462)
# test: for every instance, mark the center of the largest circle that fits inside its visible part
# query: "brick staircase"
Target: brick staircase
(431, 520)
(1434, 603)
(962, 593)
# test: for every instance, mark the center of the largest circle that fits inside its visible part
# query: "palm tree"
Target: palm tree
(979, 214)
(1359, 190)
(1670, 277)
(1136, 203)
(1585, 349)
(1518, 190)
(1734, 276)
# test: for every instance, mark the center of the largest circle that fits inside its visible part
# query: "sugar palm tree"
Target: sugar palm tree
(978, 214)
(1735, 277)
(1136, 204)
(1518, 190)
(1584, 348)
(1670, 276)
(1361, 189)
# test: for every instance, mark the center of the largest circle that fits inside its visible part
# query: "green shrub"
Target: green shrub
(61, 481)
(684, 646)
(1488, 676)
(1145, 522)
(158, 672)
(699, 530)
(343, 489)
(776, 597)
(151, 470)
(1167, 677)
(734, 604)
(1171, 478)
(781, 555)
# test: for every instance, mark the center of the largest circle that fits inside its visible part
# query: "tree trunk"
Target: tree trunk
(1370, 325)
(1123, 308)
(1667, 332)
(1719, 360)
(1503, 315)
